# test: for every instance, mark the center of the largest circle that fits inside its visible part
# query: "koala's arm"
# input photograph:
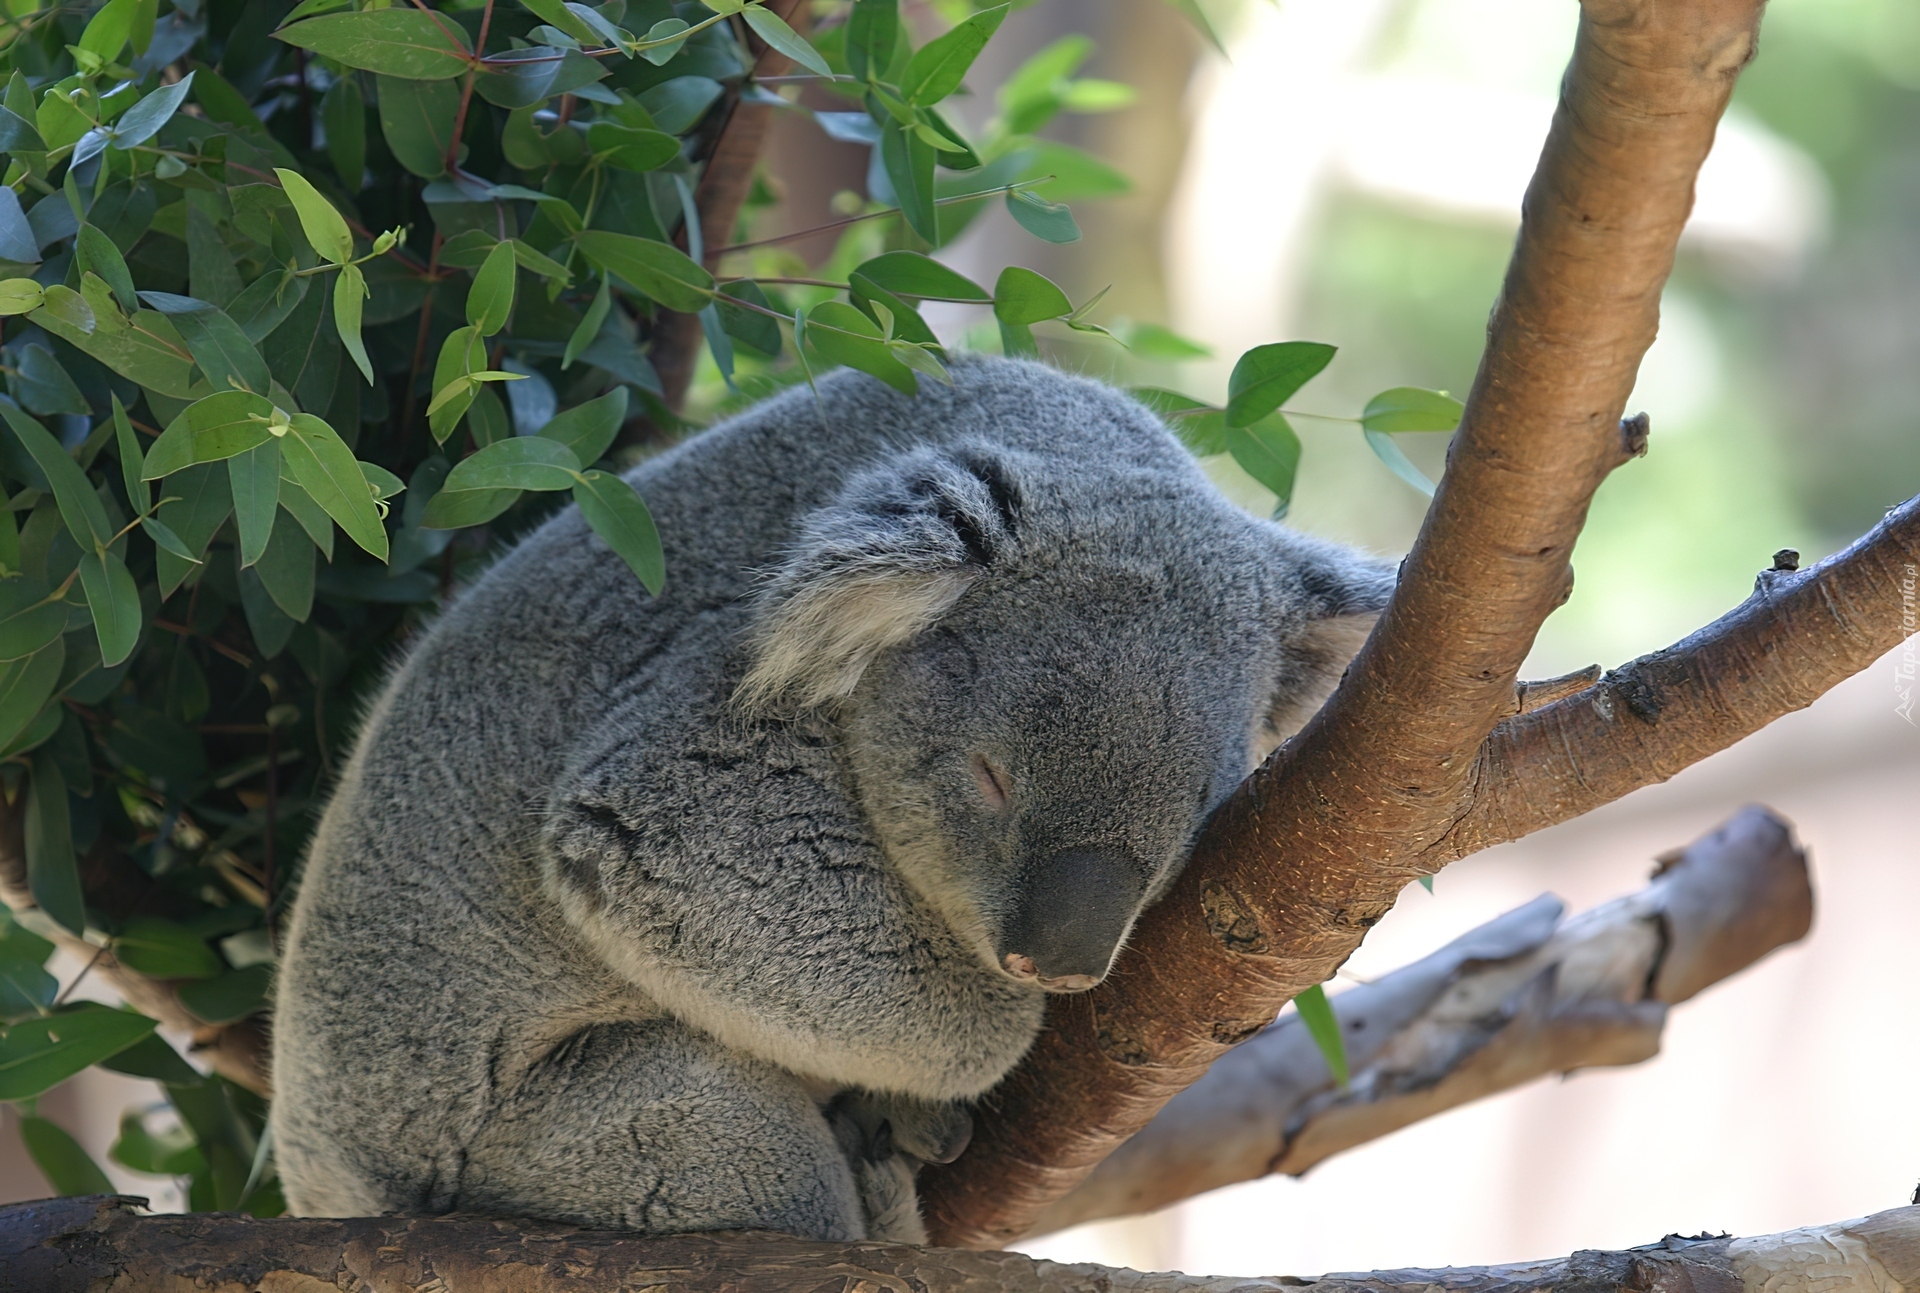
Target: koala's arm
(722, 869)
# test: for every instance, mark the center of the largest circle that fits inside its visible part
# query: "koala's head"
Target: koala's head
(1046, 666)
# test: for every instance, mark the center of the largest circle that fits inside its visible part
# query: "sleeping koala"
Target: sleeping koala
(707, 910)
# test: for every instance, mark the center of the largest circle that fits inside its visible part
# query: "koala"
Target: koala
(712, 910)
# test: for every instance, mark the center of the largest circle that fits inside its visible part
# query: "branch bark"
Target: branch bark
(80, 1245)
(1522, 996)
(1316, 845)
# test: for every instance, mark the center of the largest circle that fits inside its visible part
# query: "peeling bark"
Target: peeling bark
(1523, 996)
(89, 1244)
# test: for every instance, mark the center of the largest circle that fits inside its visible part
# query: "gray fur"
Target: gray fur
(698, 912)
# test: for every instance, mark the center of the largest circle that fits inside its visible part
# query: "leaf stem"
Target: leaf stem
(796, 234)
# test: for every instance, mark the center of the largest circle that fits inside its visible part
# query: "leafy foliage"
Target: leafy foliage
(307, 308)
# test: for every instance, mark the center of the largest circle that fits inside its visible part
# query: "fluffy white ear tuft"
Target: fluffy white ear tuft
(812, 649)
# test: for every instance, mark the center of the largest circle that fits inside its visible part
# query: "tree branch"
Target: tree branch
(1522, 996)
(1315, 846)
(724, 184)
(1798, 635)
(80, 1245)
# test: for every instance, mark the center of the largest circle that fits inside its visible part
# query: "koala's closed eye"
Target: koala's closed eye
(996, 787)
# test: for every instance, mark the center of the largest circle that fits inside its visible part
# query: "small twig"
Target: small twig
(84, 971)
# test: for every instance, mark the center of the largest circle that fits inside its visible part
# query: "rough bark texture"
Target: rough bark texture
(89, 1244)
(1522, 996)
(1315, 846)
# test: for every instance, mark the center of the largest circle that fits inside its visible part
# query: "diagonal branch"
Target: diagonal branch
(82, 1244)
(1315, 846)
(1522, 996)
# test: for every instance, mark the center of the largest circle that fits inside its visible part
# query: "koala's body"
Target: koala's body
(702, 911)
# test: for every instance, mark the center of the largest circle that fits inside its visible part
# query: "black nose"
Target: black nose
(1069, 913)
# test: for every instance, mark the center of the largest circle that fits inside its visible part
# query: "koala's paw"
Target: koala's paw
(885, 1139)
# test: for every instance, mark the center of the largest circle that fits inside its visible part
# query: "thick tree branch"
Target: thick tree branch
(86, 1244)
(1316, 845)
(1522, 996)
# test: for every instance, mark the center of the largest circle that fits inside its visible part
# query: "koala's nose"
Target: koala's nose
(1070, 912)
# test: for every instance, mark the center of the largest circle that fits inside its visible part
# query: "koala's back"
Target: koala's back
(428, 972)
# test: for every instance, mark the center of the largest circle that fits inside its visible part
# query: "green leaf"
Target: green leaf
(344, 114)
(909, 160)
(661, 47)
(1408, 408)
(143, 120)
(1267, 376)
(417, 119)
(39, 1054)
(520, 78)
(114, 600)
(938, 67)
(20, 296)
(589, 330)
(95, 251)
(27, 683)
(619, 515)
(107, 32)
(911, 274)
(1390, 453)
(393, 42)
(264, 304)
(164, 949)
(1317, 1014)
(556, 14)
(322, 224)
(770, 27)
(524, 462)
(663, 272)
(69, 1169)
(349, 294)
(631, 149)
(327, 469)
(1269, 452)
(456, 511)
(132, 461)
(210, 430)
(225, 355)
(586, 429)
(873, 30)
(152, 1058)
(490, 299)
(53, 877)
(79, 505)
(1156, 341)
(254, 477)
(286, 570)
(172, 1153)
(1023, 297)
(201, 504)
(761, 331)
(233, 995)
(841, 334)
(167, 541)
(33, 629)
(1048, 221)
(150, 352)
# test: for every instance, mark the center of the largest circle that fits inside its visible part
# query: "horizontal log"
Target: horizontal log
(86, 1245)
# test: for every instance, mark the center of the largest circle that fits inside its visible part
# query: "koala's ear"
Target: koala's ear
(874, 569)
(1339, 595)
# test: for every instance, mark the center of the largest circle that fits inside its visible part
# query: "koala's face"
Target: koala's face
(1046, 672)
(1039, 762)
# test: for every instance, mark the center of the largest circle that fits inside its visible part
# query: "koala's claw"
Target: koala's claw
(874, 1127)
(943, 1135)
